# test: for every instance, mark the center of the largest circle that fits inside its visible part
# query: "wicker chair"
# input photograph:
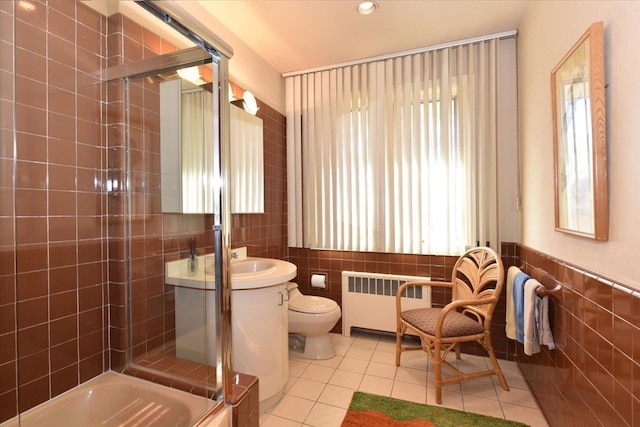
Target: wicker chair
(476, 284)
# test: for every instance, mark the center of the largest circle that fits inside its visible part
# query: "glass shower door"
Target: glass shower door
(171, 176)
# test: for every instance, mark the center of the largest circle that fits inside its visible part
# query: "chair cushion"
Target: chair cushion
(454, 325)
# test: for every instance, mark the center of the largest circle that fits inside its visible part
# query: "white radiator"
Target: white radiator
(369, 300)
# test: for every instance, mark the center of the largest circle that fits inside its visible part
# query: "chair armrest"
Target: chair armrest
(462, 302)
(452, 306)
(417, 283)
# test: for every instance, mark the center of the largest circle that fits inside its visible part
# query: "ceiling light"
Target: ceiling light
(367, 7)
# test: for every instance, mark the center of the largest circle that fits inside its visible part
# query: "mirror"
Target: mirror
(185, 107)
(580, 141)
(247, 165)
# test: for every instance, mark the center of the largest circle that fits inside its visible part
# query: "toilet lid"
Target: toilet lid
(312, 304)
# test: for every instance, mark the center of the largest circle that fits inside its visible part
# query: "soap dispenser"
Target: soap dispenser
(193, 257)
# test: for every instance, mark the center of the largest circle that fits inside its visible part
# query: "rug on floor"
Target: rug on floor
(369, 410)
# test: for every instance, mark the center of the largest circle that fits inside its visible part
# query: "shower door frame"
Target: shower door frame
(221, 199)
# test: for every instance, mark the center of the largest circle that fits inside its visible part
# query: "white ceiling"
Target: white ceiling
(293, 35)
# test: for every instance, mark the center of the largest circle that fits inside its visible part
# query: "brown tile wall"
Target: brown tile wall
(8, 301)
(53, 332)
(61, 321)
(592, 378)
(56, 323)
(265, 234)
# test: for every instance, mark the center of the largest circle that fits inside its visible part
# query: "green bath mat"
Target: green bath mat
(369, 410)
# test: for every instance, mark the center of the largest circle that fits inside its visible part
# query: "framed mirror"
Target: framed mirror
(580, 138)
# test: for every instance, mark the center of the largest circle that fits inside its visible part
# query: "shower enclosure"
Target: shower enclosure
(85, 235)
(166, 183)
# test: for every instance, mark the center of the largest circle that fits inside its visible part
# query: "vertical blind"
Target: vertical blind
(197, 149)
(395, 155)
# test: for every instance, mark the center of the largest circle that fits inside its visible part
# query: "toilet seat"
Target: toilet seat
(312, 304)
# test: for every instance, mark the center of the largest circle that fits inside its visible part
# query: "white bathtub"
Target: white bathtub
(113, 399)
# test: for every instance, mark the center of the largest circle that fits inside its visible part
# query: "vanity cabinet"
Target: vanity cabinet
(260, 323)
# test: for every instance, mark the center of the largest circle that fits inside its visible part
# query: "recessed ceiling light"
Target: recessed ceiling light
(367, 7)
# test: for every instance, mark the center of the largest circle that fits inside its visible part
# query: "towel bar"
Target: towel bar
(550, 285)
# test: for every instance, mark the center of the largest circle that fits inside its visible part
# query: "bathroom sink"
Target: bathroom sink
(256, 273)
(246, 273)
(251, 267)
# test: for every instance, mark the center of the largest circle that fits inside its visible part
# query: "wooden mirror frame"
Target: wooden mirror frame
(568, 215)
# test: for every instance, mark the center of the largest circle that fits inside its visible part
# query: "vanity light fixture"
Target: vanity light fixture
(191, 74)
(250, 103)
(367, 7)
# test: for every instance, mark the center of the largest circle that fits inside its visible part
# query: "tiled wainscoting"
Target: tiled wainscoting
(593, 376)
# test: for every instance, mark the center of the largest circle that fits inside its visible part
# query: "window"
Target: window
(378, 167)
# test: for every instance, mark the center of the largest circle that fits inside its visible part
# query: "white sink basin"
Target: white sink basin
(251, 267)
(255, 273)
(247, 273)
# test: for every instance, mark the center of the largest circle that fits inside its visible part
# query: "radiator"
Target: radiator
(369, 300)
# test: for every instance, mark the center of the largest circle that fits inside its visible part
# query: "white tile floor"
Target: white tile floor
(318, 392)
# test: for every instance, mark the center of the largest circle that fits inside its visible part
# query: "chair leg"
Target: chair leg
(399, 334)
(496, 366)
(437, 367)
(457, 351)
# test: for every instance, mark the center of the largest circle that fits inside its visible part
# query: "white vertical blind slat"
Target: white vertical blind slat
(492, 196)
(390, 125)
(339, 161)
(377, 125)
(325, 170)
(416, 152)
(405, 225)
(471, 130)
(365, 200)
(425, 179)
(482, 138)
(446, 149)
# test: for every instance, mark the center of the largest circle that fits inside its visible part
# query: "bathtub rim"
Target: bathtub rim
(202, 419)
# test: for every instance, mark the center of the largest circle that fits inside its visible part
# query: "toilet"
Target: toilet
(312, 318)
